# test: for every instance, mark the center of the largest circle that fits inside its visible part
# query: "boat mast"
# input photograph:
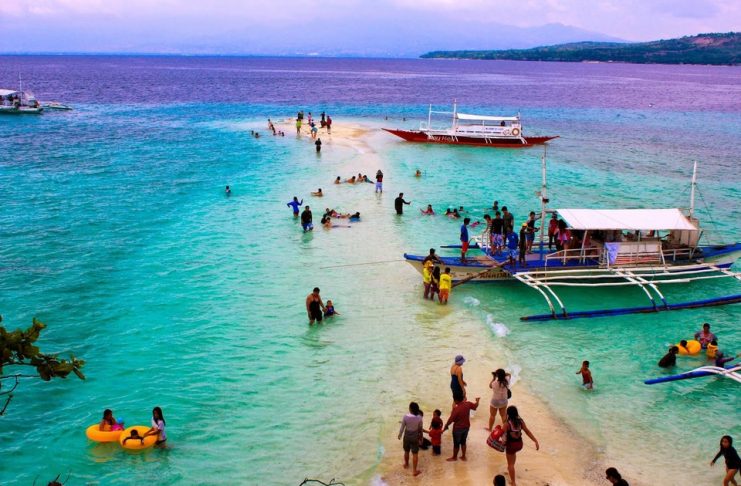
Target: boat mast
(692, 190)
(429, 118)
(543, 198)
(455, 110)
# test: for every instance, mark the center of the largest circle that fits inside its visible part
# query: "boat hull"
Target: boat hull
(489, 270)
(23, 110)
(513, 142)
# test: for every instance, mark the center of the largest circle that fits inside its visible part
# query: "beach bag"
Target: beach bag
(494, 439)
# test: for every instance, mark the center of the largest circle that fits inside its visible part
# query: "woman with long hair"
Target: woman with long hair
(513, 429)
(733, 462)
(499, 395)
(158, 427)
(411, 430)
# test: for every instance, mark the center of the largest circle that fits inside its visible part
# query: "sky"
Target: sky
(345, 27)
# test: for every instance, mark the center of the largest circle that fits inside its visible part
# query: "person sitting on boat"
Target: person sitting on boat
(670, 358)
(429, 210)
(705, 336)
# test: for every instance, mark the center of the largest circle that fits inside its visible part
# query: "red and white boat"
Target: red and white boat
(488, 131)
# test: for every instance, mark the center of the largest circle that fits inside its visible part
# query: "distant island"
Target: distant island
(719, 49)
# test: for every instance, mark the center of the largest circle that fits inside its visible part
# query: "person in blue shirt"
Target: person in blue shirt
(512, 245)
(464, 239)
(295, 204)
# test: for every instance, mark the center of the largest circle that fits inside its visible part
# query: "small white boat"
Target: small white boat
(55, 105)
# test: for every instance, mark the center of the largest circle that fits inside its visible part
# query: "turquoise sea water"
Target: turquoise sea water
(115, 231)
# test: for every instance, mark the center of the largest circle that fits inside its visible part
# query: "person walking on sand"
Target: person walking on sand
(329, 125)
(411, 429)
(615, 478)
(460, 417)
(586, 375)
(314, 306)
(733, 462)
(464, 239)
(500, 395)
(513, 429)
(399, 204)
(457, 385)
(298, 126)
(379, 181)
(295, 205)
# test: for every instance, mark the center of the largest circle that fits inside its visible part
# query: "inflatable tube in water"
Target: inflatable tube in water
(136, 444)
(693, 347)
(95, 434)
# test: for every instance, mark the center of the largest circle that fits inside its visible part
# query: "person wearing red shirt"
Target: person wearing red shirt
(460, 417)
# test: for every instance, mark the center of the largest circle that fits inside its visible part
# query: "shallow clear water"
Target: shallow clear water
(114, 230)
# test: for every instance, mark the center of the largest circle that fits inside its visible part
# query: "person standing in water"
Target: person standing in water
(228, 191)
(513, 429)
(464, 239)
(314, 306)
(733, 462)
(379, 181)
(705, 336)
(158, 427)
(306, 220)
(318, 145)
(295, 205)
(399, 203)
(588, 382)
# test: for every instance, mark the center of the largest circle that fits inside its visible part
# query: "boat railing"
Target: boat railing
(674, 254)
(634, 256)
(580, 255)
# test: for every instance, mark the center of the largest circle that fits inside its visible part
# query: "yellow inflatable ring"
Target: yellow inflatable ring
(693, 347)
(136, 444)
(94, 433)
(515, 131)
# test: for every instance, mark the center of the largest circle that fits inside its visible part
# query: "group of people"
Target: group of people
(325, 121)
(271, 127)
(436, 282)
(109, 423)
(317, 309)
(331, 213)
(708, 343)
(509, 435)
(354, 179)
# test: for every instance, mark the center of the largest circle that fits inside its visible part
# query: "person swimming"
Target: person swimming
(351, 180)
(338, 180)
(134, 436)
(418, 173)
(329, 310)
(318, 193)
(228, 191)
(355, 217)
(429, 210)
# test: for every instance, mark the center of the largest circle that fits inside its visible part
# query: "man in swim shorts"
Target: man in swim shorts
(306, 220)
(314, 306)
(379, 181)
(464, 239)
(461, 418)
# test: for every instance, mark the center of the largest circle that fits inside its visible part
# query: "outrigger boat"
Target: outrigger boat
(481, 130)
(732, 372)
(644, 248)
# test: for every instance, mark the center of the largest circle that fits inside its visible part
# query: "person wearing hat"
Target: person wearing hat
(457, 385)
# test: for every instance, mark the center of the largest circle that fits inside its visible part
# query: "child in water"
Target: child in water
(134, 436)
(586, 375)
(712, 349)
(329, 310)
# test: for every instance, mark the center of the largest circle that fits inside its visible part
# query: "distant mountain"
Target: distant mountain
(383, 35)
(697, 49)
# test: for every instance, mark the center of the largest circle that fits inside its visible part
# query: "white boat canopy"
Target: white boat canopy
(626, 219)
(8, 92)
(463, 116)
